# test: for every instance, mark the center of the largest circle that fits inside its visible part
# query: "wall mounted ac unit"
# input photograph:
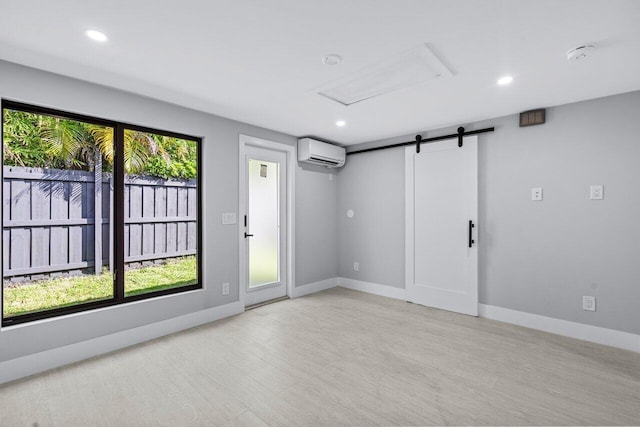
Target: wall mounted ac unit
(320, 153)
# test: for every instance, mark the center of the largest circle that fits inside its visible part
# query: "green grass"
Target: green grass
(67, 291)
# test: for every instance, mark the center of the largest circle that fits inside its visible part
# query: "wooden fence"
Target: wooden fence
(59, 220)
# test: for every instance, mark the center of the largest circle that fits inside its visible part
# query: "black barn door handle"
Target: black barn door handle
(471, 241)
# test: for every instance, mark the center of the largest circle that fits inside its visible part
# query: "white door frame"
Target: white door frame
(290, 151)
(409, 240)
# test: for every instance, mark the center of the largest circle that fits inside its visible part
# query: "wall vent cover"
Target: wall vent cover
(411, 68)
(532, 117)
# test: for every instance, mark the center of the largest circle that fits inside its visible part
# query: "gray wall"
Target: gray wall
(536, 257)
(372, 185)
(317, 228)
(220, 194)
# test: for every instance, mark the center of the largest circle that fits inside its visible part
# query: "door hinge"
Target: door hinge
(471, 241)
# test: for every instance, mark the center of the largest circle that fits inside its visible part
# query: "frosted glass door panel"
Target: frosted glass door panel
(264, 225)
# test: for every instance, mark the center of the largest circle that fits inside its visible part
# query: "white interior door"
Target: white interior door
(442, 210)
(264, 225)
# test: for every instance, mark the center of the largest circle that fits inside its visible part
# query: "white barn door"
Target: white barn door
(441, 218)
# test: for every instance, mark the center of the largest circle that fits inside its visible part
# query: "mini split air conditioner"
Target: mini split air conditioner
(320, 153)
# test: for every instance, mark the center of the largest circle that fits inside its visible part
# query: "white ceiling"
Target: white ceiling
(258, 61)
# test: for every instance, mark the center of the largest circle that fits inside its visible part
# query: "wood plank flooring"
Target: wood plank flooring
(339, 357)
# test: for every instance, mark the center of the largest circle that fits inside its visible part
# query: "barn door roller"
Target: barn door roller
(419, 140)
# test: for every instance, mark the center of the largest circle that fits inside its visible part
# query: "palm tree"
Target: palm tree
(139, 147)
(68, 141)
(40, 140)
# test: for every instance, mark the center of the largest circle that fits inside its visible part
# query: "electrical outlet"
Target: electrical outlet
(356, 265)
(597, 192)
(536, 194)
(589, 303)
(225, 288)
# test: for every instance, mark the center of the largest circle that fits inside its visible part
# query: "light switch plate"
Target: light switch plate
(597, 192)
(229, 218)
(536, 194)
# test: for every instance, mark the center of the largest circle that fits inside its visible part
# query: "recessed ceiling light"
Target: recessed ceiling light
(341, 123)
(331, 59)
(96, 35)
(503, 81)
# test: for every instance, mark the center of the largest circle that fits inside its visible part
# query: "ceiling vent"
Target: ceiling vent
(402, 71)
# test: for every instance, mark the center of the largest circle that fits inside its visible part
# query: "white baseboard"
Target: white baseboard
(373, 288)
(581, 331)
(311, 288)
(39, 362)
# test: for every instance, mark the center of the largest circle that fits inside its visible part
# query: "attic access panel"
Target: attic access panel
(411, 68)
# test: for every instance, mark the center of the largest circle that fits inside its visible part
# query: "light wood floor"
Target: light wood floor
(339, 357)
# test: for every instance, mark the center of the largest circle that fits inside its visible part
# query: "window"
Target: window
(95, 213)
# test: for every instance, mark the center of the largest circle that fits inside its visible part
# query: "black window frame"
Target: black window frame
(119, 297)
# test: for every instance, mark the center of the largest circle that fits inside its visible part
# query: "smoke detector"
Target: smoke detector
(580, 52)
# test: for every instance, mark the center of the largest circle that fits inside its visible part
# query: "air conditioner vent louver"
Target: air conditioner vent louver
(323, 161)
(320, 153)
